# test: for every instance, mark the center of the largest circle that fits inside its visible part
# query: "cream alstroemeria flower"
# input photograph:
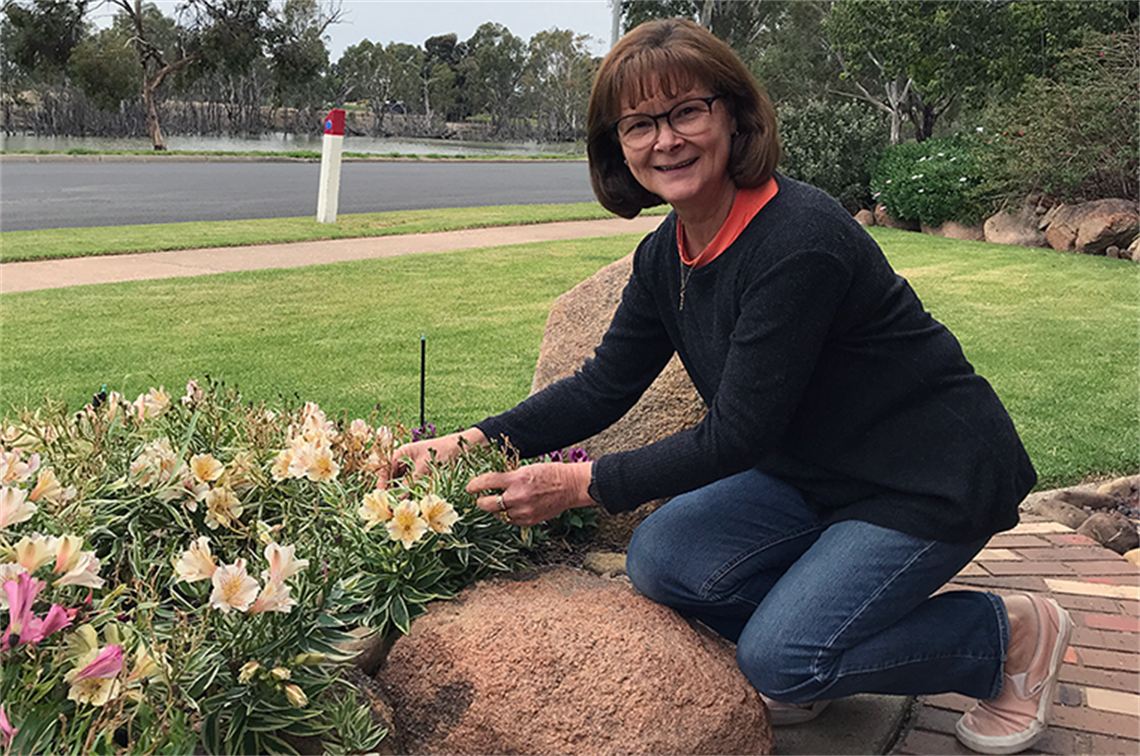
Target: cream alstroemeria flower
(33, 552)
(14, 470)
(282, 464)
(85, 572)
(222, 508)
(186, 488)
(66, 550)
(274, 597)
(438, 513)
(248, 670)
(233, 588)
(14, 506)
(206, 468)
(376, 508)
(296, 696)
(151, 404)
(406, 525)
(196, 563)
(282, 565)
(155, 464)
(49, 488)
(149, 664)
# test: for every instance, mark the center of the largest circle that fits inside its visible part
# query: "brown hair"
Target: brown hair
(674, 54)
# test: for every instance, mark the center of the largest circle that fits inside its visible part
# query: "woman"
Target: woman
(851, 461)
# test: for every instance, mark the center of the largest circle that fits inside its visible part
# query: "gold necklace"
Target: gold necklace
(685, 276)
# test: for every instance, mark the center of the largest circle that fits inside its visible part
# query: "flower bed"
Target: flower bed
(181, 576)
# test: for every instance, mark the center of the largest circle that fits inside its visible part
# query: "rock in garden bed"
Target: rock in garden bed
(562, 661)
(1108, 513)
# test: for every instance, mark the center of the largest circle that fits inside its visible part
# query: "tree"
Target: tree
(105, 68)
(298, 52)
(41, 35)
(381, 75)
(494, 69)
(559, 74)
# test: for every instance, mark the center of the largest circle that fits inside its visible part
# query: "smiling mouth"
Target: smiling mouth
(678, 166)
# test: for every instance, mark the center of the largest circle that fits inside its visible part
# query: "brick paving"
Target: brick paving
(1097, 708)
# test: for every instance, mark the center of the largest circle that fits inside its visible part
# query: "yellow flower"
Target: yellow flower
(296, 696)
(95, 677)
(206, 468)
(406, 525)
(222, 507)
(196, 563)
(233, 588)
(439, 514)
(376, 508)
(147, 664)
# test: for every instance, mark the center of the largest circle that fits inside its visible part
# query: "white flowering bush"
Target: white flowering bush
(180, 575)
(932, 181)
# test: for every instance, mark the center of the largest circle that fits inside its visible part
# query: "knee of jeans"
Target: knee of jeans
(778, 670)
(643, 564)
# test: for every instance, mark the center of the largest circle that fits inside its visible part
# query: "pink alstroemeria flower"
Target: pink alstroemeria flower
(107, 665)
(7, 731)
(22, 591)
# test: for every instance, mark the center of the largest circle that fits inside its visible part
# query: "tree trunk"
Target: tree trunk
(150, 106)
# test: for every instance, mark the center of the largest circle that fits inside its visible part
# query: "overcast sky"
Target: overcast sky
(413, 21)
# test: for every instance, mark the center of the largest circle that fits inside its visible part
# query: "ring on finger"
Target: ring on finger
(500, 502)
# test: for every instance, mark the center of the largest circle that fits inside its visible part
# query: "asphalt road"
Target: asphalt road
(79, 193)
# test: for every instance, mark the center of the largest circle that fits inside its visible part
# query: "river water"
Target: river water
(289, 143)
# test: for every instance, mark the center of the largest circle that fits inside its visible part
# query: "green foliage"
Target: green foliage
(832, 146)
(106, 68)
(41, 34)
(932, 181)
(1072, 135)
(183, 502)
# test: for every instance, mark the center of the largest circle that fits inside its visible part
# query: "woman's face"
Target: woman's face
(689, 172)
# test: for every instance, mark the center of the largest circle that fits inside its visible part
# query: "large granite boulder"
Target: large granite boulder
(954, 230)
(886, 220)
(1020, 228)
(575, 326)
(1092, 227)
(565, 662)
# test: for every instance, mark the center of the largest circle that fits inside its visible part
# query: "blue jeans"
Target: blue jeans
(820, 611)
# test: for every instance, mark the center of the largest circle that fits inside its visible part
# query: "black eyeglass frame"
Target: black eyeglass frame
(708, 101)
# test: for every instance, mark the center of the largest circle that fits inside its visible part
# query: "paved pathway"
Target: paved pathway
(53, 274)
(1097, 707)
(1098, 703)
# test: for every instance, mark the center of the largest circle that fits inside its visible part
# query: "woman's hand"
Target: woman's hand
(416, 457)
(534, 493)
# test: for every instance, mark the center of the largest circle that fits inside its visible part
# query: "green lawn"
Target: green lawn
(1055, 333)
(114, 240)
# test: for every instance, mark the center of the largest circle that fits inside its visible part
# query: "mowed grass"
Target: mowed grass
(113, 240)
(1055, 333)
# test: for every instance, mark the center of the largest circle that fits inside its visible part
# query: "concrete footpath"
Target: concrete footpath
(54, 274)
(1097, 704)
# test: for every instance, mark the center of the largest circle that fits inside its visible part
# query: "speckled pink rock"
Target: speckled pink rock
(565, 662)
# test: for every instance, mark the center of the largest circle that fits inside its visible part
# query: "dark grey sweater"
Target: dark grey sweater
(819, 365)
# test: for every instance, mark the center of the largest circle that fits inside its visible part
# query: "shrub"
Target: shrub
(1073, 135)
(931, 182)
(181, 574)
(832, 147)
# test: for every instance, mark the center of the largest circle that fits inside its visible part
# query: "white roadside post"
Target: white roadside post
(330, 167)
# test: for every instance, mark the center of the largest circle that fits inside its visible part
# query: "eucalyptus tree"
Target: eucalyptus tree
(39, 35)
(494, 68)
(559, 73)
(380, 75)
(298, 50)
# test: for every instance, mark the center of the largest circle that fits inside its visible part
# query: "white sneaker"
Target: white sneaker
(784, 714)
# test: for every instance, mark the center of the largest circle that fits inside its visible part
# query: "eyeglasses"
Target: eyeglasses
(687, 118)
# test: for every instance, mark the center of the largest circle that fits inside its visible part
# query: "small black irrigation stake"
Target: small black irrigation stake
(423, 371)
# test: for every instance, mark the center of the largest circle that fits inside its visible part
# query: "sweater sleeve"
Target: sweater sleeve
(633, 352)
(786, 311)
